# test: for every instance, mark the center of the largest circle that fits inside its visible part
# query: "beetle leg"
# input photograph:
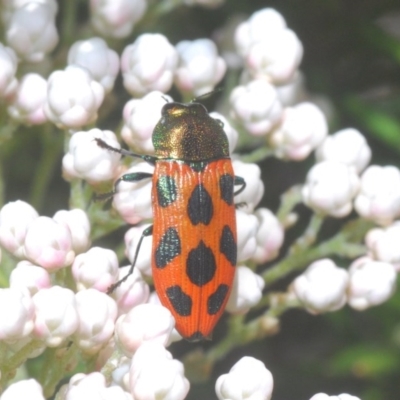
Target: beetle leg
(147, 232)
(239, 181)
(150, 159)
(132, 177)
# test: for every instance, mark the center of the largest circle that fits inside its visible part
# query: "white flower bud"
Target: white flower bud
(256, 106)
(302, 129)
(132, 292)
(140, 118)
(293, 91)
(148, 64)
(20, 389)
(269, 237)
(8, 68)
(330, 188)
(343, 396)
(79, 225)
(97, 269)
(200, 68)
(73, 97)
(154, 374)
(347, 146)
(379, 197)
(16, 314)
(31, 31)
(144, 323)
(56, 317)
(383, 244)
(230, 131)
(93, 386)
(133, 199)
(254, 190)
(247, 225)
(269, 48)
(116, 18)
(101, 61)
(246, 291)
(371, 283)
(97, 313)
(27, 105)
(247, 379)
(15, 218)
(87, 160)
(29, 276)
(48, 244)
(322, 287)
(132, 237)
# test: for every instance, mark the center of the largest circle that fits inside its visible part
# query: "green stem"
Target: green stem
(68, 26)
(289, 200)
(258, 155)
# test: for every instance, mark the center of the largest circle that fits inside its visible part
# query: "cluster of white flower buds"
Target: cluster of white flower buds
(58, 290)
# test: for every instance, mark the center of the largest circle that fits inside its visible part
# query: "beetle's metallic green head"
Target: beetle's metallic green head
(187, 132)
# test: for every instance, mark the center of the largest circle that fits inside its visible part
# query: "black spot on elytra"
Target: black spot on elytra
(181, 302)
(227, 245)
(200, 206)
(166, 190)
(168, 248)
(226, 188)
(200, 265)
(215, 300)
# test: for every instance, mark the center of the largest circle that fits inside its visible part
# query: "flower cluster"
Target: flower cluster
(58, 294)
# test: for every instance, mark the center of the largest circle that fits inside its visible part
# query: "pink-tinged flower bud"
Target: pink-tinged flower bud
(347, 146)
(246, 291)
(330, 188)
(148, 64)
(269, 48)
(133, 199)
(247, 379)
(140, 118)
(293, 91)
(97, 313)
(48, 244)
(143, 261)
(343, 396)
(87, 160)
(16, 314)
(200, 67)
(8, 68)
(15, 218)
(31, 31)
(27, 105)
(97, 269)
(56, 317)
(19, 390)
(79, 225)
(301, 130)
(144, 323)
(154, 374)
(247, 225)
(256, 107)
(73, 97)
(230, 131)
(116, 18)
(379, 197)
(322, 287)
(371, 283)
(269, 237)
(101, 61)
(254, 190)
(93, 386)
(132, 292)
(29, 276)
(383, 244)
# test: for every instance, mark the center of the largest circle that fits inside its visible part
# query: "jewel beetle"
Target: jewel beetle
(194, 247)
